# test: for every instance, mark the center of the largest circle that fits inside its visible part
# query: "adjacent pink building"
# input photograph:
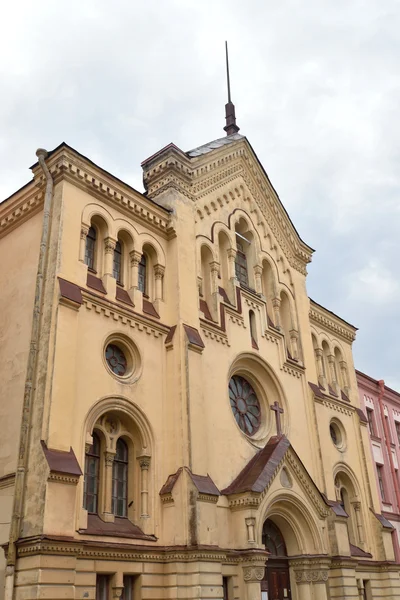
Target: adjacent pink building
(382, 408)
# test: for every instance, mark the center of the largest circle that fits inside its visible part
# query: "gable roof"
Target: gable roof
(257, 474)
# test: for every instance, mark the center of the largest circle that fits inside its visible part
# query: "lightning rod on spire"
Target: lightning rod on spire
(230, 116)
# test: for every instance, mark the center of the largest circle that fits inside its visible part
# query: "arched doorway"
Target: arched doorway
(276, 582)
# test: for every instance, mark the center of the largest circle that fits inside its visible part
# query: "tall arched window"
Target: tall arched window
(90, 247)
(92, 469)
(241, 264)
(120, 480)
(117, 262)
(142, 275)
(253, 329)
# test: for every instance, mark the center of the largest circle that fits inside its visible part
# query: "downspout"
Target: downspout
(20, 476)
(381, 384)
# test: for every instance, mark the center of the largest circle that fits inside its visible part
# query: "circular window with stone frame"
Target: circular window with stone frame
(245, 405)
(121, 358)
(337, 433)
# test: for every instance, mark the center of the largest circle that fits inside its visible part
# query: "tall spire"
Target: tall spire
(230, 116)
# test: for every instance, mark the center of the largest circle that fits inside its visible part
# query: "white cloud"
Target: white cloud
(316, 87)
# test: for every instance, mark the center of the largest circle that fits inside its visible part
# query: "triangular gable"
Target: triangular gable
(200, 172)
(256, 477)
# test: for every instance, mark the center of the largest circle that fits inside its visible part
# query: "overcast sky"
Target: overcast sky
(316, 86)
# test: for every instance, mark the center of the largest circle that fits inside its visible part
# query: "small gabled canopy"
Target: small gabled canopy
(258, 473)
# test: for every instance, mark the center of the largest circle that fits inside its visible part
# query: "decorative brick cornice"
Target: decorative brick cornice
(20, 207)
(65, 163)
(307, 484)
(145, 552)
(63, 478)
(101, 307)
(331, 322)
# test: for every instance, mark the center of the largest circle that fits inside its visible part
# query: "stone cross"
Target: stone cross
(278, 412)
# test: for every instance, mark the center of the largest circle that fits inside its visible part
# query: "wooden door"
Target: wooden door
(276, 583)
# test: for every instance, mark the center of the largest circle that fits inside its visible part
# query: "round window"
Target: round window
(245, 405)
(116, 360)
(337, 434)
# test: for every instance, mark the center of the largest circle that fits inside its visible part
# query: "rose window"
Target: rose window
(245, 405)
(116, 360)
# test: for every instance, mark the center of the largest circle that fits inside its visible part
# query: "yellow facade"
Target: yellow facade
(186, 474)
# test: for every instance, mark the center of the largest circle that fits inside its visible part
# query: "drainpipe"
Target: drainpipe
(22, 465)
(381, 384)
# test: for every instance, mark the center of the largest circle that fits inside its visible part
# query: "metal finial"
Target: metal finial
(230, 116)
(227, 71)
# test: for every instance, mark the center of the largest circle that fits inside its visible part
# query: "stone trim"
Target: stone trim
(201, 175)
(7, 481)
(331, 322)
(16, 210)
(65, 163)
(124, 315)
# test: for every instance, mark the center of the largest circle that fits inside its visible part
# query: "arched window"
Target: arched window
(120, 480)
(241, 264)
(92, 469)
(90, 248)
(253, 329)
(142, 275)
(117, 262)
(273, 539)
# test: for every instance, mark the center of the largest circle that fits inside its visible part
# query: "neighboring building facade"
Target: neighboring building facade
(179, 419)
(382, 408)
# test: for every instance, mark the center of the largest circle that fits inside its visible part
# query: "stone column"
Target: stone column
(332, 370)
(345, 377)
(108, 279)
(257, 278)
(252, 575)
(214, 267)
(294, 339)
(231, 291)
(144, 462)
(159, 271)
(320, 368)
(107, 498)
(82, 243)
(134, 257)
(276, 304)
(356, 504)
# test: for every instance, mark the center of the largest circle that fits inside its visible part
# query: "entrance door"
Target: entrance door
(276, 582)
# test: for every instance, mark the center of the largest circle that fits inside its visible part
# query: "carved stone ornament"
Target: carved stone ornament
(109, 458)
(307, 576)
(109, 245)
(253, 574)
(159, 271)
(84, 232)
(144, 462)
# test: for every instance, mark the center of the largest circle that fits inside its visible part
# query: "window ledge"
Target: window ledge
(122, 527)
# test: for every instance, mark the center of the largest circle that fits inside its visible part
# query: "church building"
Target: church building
(178, 418)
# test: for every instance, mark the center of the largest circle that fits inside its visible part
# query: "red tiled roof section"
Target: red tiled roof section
(362, 416)
(356, 551)
(258, 472)
(149, 309)
(123, 296)
(193, 336)
(315, 388)
(62, 462)
(70, 291)
(204, 484)
(170, 483)
(170, 335)
(96, 283)
(205, 310)
(120, 528)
